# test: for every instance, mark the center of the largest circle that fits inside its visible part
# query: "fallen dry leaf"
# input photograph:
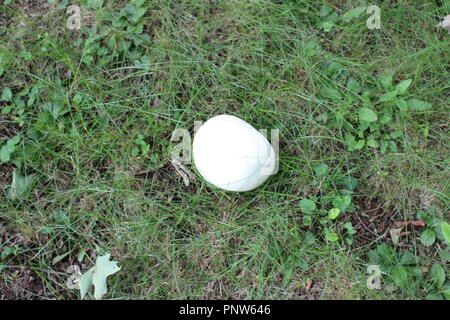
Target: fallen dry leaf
(73, 281)
(308, 284)
(395, 235)
(184, 172)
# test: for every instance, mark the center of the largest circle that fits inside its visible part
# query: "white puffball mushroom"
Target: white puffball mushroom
(232, 155)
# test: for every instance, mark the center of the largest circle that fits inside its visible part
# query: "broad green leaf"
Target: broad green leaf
(325, 10)
(374, 257)
(383, 146)
(366, 114)
(5, 252)
(333, 213)
(415, 272)
(13, 141)
(418, 105)
(63, 4)
(350, 230)
(331, 93)
(426, 130)
(446, 290)
(371, 142)
(307, 206)
(386, 80)
(436, 223)
(330, 235)
(95, 4)
(386, 117)
(408, 258)
(400, 276)
(445, 228)
(365, 97)
(389, 96)
(24, 91)
(434, 296)
(353, 85)
(401, 104)
(129, 11)
(5, 153)
(140, 12)
(321, 170)
(6, 110)
(393, 146)
(323, 117)
(446, 293)
(437, 275)
(135, 152)
(348, 183)
(137, 3)
(327, 25)
(375, 127)
(309, 239)
(342, 203)
(363, 125)
(7, 94)
(353, 13)
(133, 12)
(77, 98)
(386, 252)
(428, 237)
(349, 139)
(56, 109)
(307, 220)
(395, 134)
(33, 95)
(403, 86)
(358, 145)
(445, 255)
(312, 48)
(7, 150)
(61, 217)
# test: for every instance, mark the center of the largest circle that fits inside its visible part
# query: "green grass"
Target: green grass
(264, 61)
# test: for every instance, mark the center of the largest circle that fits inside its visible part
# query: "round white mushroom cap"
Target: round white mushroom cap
(232, 155)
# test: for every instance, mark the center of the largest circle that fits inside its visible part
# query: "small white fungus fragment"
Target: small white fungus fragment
(445, 23)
